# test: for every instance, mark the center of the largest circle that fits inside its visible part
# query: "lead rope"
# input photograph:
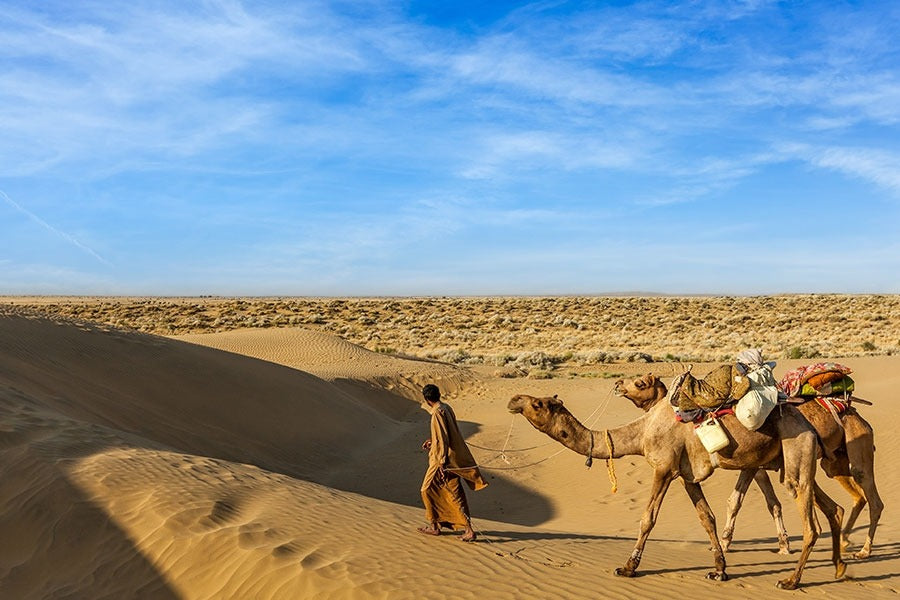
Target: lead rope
(502, 452)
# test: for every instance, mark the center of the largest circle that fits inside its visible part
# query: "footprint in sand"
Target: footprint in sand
(287, 550)
(223, 511)
(255, 535)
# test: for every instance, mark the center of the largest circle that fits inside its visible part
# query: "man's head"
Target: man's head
(431, 393)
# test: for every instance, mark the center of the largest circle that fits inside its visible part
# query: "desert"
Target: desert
(405, 299)
(270, 448)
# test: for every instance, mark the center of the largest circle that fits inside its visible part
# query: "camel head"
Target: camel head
(540, 412)
(644, 391)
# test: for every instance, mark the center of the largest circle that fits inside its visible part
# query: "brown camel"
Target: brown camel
(848, 457)
(673, 451)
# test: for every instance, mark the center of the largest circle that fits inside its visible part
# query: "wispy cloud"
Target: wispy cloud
(57, 232)
(881, 168)
(875, 166)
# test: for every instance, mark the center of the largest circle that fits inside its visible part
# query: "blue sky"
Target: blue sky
(437, 148)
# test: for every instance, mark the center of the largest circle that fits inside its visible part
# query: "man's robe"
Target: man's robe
(445, 501)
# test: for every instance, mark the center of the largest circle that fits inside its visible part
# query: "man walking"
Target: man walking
(449, 462)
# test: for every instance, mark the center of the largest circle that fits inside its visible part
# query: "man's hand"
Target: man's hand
(426, 445)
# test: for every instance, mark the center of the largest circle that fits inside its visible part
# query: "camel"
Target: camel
(848, 457)
(673, 451)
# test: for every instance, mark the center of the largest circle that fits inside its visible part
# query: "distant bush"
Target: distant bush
(868, 346)
(539, 374)
(509, 372)
(802, 352)
(537, 360)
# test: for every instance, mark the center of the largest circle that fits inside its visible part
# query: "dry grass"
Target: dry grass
(525, 335)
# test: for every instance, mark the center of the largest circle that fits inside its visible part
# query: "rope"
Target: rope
(610, 467)
(471, 445)
(502, 451)
(590, 458)
(514, 468)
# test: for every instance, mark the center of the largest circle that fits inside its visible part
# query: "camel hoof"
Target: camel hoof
(717, 575)
(840, 570)
(784, 546)
(623, 572)
(786, 584)
(862, 554)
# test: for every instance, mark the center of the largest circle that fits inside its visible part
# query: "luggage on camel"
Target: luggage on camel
(819, 379)
(828, 383)
(722, 384)
(711, 434)
(746, 389)
(754, 407)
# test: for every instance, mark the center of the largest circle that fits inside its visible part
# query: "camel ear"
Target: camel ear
(554, 401)
(651, 378)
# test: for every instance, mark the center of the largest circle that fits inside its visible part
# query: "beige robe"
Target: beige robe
(445, 501)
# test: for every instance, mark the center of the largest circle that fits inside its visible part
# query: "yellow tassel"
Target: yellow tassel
(610, 468)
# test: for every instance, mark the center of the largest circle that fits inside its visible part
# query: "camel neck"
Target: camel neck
(626, 440)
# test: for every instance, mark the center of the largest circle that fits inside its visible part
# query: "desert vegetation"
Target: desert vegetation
(531, 334)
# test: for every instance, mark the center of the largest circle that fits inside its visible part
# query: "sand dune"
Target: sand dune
(285, 463)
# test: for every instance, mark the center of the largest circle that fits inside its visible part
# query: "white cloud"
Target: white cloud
(879, 167)
(873, 165)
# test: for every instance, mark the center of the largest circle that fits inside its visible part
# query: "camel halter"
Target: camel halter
(598, 411)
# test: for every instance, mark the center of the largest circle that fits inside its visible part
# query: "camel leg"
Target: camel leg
(735, 500)
(659, 487)
(861, 452)
(859, 502)
(804, 499)
(708, 520)
(772, 503)
(834, 514)
(774, 506)
(799, 478)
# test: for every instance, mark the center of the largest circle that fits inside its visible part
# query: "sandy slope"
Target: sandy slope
(288, 467)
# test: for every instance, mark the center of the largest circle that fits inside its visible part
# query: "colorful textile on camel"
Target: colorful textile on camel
(833, 404)
(842, 386)
(698, 415)
(792, 382)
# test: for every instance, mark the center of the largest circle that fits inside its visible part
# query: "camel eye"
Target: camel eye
(639, 384)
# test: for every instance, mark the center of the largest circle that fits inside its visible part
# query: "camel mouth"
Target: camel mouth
(514, 406)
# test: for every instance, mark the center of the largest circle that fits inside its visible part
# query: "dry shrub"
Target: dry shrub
(509, 372)
(540, 374)
(528, 333)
